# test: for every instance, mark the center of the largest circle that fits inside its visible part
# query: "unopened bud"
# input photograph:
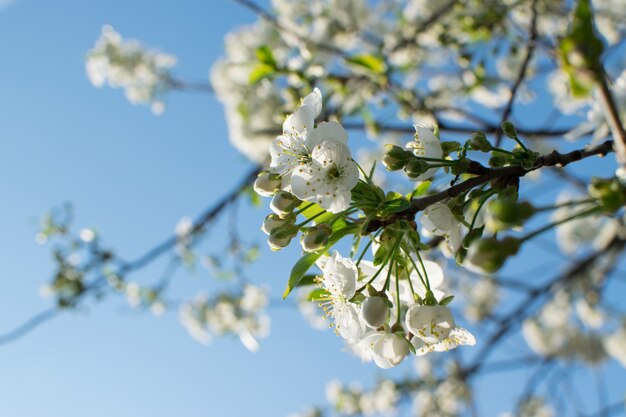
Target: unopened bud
(267, 183)
(277, 243)
(284, 203)
(509, 129)
(478, 142)
(274, 221)
(450, 146)
(316, 238)
(610, 192)
(415, 167)
(375, 311)
(395, 157)
(505, 213)
(489, 255)
(497, 161)
(460, 167)
(281, 236)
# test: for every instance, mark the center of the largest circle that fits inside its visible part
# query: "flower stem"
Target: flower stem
(566, 204)
(387, 259)
(397, 294)
(419, 274)
(419, 257)
(584, 213)
(480, 206)
(303, 209)
(364, 251)
(310, 219)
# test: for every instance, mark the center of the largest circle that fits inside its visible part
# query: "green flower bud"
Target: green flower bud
(415, 167)
(280, 237)
(509, 129)
(497, 161)
(395, 157)
(460, 167)
(505, 213)
(375, 311)
(489, 255)
(274, 221)
(610, 192)
(267, 183)
(316, 238)
(450, 146)
(478, 142)
(277, 243)
(284, 203)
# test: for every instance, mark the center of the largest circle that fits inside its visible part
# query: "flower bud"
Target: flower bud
(284, 203)
(489, 255)
(274, 221)
(430, 323)
(375, 311)
(395, 157)
(389, 350)
(415, 167)
(450, 146)
(509, 129)
(505, 213)
(267, 183)
(497, 161)
(460, 167)
(280, 237)
(610, 192)
(316, 238)
(277, 242)
(478, 142)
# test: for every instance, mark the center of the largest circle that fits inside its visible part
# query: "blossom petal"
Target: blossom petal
(328, 131)
(314, 101)
(300, 121)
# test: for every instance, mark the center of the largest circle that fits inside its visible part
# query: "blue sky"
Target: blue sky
(133, 176)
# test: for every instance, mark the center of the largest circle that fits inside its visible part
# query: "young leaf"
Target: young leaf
(421, 189)
(369, 61)
(265, 55)
(259, 72)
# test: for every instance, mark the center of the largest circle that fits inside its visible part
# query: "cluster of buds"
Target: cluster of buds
(397, 158)
(280, 226)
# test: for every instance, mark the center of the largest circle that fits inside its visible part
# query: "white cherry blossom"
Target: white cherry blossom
(438, 220)
(330, 177)
(339, 280)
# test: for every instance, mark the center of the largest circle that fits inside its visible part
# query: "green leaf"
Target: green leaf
(306, 262)
(324, 218)
(259, 72)
(265, 56)
(421, 189)
(447, 300)
(308, 279)
(397, 205)
(317, 294)
(373, 63)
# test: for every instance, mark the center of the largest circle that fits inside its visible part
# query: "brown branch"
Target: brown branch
(487, 174)
(127, 267)
(488, 129)
(613, 120)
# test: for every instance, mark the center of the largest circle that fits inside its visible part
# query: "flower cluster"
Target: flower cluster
(367, 322)
(242, 315)
(143, 74)
(353, 400)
